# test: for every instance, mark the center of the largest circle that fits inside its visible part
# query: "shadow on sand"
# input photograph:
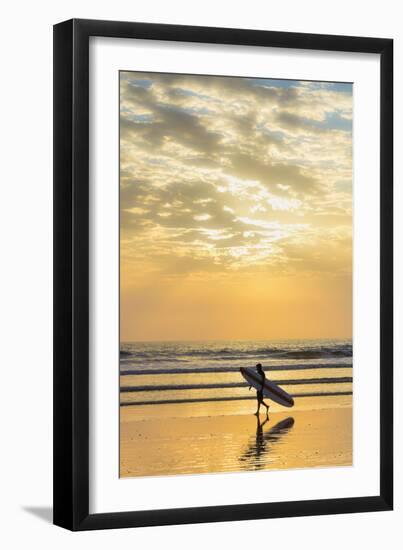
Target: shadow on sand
(262, 444)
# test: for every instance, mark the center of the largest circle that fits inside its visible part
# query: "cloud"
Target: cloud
(233, 174)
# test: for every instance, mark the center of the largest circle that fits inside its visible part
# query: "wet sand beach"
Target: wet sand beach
(195, 438)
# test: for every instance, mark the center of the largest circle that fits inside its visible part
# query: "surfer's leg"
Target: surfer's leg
(259, 400)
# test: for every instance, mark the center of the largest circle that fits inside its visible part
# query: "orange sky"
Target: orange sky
(236, 208)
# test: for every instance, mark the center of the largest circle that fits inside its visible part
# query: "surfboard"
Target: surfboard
(270, 389)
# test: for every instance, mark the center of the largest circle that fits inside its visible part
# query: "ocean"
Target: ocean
(156, 373)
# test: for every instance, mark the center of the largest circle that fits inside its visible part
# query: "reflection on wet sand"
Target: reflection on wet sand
(225, 437)
(256, 455)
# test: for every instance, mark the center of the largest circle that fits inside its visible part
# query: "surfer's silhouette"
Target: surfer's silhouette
(259, 392)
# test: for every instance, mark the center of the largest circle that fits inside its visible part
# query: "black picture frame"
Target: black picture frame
(71, 274)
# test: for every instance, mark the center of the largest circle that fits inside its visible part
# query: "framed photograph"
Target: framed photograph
(222, 274)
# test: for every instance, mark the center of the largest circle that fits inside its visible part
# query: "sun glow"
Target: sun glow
(236, 208)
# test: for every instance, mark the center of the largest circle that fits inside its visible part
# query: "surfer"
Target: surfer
(259, 392)
(265, 387)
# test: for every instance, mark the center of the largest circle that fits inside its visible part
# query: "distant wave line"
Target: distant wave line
(139, 357)
(233, 353)
(204, 370)
(132, 389)
(210, 399)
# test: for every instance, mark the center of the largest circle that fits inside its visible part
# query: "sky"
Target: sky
(235, 208)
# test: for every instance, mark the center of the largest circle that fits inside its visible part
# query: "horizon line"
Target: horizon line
(238, 339)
